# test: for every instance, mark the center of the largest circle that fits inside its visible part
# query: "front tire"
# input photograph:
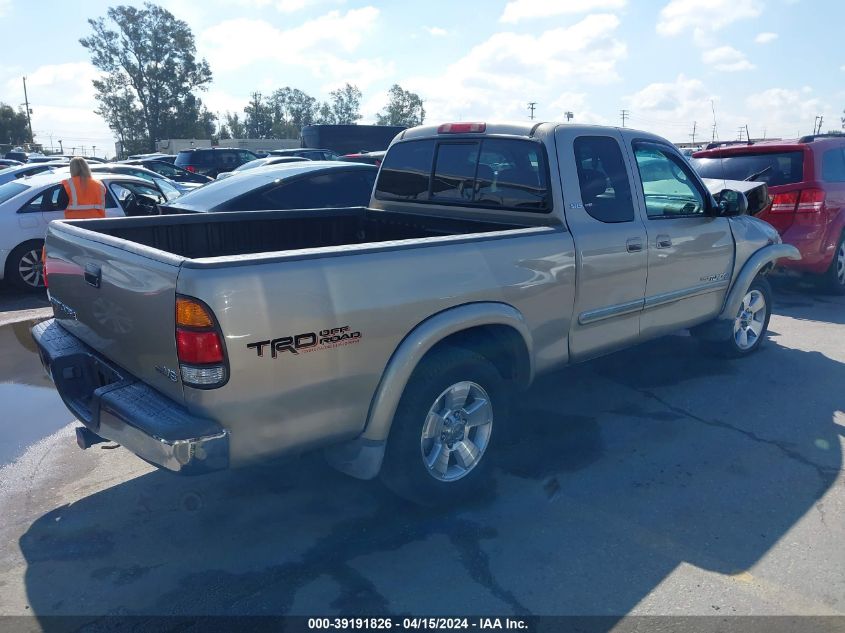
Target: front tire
(24, 268)
(446, 429)
(751, 322)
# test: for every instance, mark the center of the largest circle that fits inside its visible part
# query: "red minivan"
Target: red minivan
(806, 180)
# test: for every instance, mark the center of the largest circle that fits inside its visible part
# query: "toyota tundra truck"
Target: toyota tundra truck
(394, 336)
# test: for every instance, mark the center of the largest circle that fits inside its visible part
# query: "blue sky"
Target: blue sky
(771, 64)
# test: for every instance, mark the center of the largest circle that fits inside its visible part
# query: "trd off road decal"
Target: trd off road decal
(307, 342)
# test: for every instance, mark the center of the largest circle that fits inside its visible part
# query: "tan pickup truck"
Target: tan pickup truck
(393, 336)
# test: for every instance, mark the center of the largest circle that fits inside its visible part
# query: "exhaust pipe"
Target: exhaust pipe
(86, 438)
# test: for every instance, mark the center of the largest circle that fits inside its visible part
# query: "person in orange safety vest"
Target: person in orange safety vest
(86, 196)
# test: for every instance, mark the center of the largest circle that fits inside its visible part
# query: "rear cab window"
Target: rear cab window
(772, 168)
(490, 172)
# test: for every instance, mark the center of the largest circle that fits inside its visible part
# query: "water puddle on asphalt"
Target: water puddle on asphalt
(30, 408)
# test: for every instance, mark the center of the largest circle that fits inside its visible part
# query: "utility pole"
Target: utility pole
(531, 106)
(821, 119)
(61, 149)
(624, 114)
(747, 133)
(28, 111)
(94, 151)
(694, 123)
(715, 130)
(740, 132)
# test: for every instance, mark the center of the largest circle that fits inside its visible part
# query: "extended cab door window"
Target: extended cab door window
(669, 187)
(603, 179)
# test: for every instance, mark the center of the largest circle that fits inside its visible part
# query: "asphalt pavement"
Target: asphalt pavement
(654, 481)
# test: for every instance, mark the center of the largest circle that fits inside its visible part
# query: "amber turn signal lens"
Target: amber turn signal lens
(192, 314)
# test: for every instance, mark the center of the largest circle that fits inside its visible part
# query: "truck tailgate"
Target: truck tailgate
(119, 301)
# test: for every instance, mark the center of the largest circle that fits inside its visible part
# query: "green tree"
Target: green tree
(233, 126)
(259, 118)
(152, 55)
(404, 108)
(325, 114)
(13, 127)
(346, 105)
(291, 109)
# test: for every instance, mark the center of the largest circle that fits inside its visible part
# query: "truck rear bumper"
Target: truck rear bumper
(119, 407)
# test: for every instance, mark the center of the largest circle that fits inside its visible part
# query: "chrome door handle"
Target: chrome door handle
(664, 241)
(634, 245)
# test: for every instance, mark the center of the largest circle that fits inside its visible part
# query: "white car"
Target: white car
(28, 205)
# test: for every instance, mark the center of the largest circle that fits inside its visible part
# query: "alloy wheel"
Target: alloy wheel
(749, 323)
(456, 431)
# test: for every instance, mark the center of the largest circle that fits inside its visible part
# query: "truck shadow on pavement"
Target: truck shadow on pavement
(618, 471)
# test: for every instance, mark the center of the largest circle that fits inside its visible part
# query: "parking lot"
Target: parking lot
(653, 481)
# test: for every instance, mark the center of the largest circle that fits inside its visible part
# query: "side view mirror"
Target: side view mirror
(731, 202)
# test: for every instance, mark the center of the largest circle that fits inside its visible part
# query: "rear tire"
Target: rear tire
(24, 269)
(750, 324)
(834, 278)
(442, 442)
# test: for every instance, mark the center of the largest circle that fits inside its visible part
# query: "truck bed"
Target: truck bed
(240, 233)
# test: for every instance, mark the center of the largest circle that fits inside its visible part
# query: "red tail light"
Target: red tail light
(191, 169)
(811, 201)
(462, 128)
(199, 345)
(198, 348)
(784, 202)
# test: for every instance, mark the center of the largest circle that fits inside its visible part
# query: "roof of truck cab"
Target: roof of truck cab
(219, 191)
(514, 128)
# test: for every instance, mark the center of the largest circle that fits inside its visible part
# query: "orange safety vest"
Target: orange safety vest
(86, 198)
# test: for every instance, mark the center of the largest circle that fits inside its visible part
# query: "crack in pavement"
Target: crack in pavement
(822, 471)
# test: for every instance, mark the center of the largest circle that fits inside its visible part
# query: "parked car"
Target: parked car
(48, 159)
(28, 205)
(300, 185)
(153, 156)
(310, 154)
(806, 179)
(210, 161)
(168, 170)
(13, 173)
(18, 155)
(7, 162)
(370, 158)
(263, 162)
(394, 336)
(171, 189)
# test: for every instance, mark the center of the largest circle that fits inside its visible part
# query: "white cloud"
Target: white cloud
(517, 10)
(787, 112)
(496, 78)
(704, 17)
(727, 59)
(765, 38)
(672, 108)
(322, 45)
(436, 31)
